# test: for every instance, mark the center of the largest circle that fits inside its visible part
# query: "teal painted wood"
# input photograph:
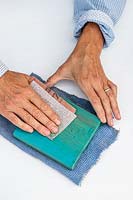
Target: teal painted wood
(69, 145)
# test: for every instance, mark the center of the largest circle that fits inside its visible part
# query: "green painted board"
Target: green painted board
(67, 147)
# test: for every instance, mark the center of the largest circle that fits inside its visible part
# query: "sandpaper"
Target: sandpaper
(66, 116)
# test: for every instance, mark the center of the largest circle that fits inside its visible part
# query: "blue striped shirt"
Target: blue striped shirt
(105, 13)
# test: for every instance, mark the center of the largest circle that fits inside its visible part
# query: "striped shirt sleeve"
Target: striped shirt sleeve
(3, 68)
(105, 13)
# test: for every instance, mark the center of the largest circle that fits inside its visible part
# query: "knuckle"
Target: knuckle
(83, 78)
(96, 80)
(55, 117)
(111, 95)
(17, 98)
(13, 119)
(8, 103)
(115, 107)
(101, 113)
(109, 113)
(37, 114)
(98, 86)
(95, 101)
(52, 115)
(50, 112)
(49, 123)
(27, 118)
(23, 126)
(45, 106)
(94, 76)
(105, 100)
(39, 128)
(27, 91)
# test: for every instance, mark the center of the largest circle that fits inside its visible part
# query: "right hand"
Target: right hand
(22, 106)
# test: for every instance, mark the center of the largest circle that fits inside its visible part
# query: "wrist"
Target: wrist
(91, 39)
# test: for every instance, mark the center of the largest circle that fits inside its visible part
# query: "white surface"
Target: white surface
(36, 35)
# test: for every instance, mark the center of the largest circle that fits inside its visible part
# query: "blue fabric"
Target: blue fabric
(105, 13)
(103, 138)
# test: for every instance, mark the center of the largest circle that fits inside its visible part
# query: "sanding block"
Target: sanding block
(66, 116)
(68, 146)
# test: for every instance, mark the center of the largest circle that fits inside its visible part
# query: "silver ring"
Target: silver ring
(107, 89)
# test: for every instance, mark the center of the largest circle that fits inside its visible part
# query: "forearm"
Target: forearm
(105, 13)
(90, 39)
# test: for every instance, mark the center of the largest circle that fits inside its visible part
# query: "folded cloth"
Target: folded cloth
(103, 138)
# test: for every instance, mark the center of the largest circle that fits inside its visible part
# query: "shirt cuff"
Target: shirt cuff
(102, 19)
(3, 69)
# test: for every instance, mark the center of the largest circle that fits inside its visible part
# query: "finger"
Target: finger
(26, 117)
(56, 77)
(113, 87)
(41, 117)
(18, 122)
(107, 106)
(96, 103)
(44, 107)
(114, 105)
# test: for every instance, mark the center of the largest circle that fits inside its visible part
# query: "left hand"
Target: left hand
(84, 67)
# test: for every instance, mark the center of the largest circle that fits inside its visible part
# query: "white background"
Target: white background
(37, 35)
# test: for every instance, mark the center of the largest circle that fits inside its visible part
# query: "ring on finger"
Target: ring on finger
(107, 89)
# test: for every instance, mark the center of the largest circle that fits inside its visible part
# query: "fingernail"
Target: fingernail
(103, 120)
(54, 129)
(119, 116)
(46, 132)
(111, 123)
(30, 130)
(57, 122)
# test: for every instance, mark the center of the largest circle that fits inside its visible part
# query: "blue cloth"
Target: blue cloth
(105, 13)
(103, 138)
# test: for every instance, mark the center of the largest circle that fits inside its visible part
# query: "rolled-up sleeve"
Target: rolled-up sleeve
(105, 13)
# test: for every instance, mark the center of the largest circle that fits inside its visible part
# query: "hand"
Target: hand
(84, 67)
(21, 105)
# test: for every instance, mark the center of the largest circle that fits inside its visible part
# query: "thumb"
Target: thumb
(56, 77)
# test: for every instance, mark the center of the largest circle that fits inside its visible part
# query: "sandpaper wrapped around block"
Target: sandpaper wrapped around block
(66, 116)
